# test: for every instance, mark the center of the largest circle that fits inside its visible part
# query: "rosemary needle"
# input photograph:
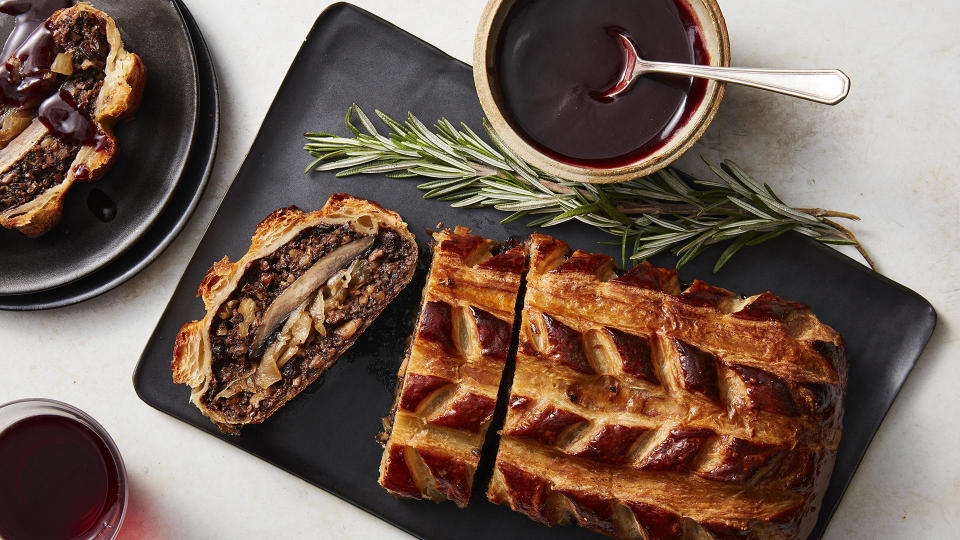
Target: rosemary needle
(666, 211)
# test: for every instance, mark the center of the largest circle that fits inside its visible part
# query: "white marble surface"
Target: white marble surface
(889, 153)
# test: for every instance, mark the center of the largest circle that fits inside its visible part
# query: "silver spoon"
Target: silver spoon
(827, 86)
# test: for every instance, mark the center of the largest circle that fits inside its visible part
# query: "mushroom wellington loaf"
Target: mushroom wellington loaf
(643, 410)
(307, 288)
(63, 90)
(449, 380)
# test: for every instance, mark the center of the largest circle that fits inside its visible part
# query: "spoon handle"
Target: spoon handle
(827, 86)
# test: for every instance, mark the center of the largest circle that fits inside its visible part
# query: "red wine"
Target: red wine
(58, 480)
(556, 57)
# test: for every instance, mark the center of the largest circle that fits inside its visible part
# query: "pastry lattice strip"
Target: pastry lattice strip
(627, 386)
(449, 381)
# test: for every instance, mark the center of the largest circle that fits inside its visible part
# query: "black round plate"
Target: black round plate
(173, 218)
(153, 152)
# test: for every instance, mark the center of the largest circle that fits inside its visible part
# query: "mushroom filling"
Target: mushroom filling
(42, 167)
(318, 328)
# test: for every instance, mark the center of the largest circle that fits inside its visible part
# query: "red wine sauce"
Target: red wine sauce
(57, 479)
(34, 50)
(36, 56)
(101, 205)
(555, 58)
(29, 14)
(59, 113)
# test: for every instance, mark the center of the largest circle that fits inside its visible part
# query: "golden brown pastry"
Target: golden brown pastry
(449, 380)
(640, 410)
(62, 93)
(307, 288)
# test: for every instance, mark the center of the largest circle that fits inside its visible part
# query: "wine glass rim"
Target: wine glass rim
(54, 405)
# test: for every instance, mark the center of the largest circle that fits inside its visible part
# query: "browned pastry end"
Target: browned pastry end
(232, 383)
(37, 166)
(643, 410)
(448, 383)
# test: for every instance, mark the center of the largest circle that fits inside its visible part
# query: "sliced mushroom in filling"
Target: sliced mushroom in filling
(315, 332)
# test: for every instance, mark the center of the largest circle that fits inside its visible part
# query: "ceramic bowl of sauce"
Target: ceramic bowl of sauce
(541, 68)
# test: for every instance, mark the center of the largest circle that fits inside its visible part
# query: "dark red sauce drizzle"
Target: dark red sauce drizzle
(555, 57)
(29, 14)
(59, 113)
(101, 205)
(35, 57)
(31, 47)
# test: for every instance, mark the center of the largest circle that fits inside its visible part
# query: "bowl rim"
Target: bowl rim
(491, 23)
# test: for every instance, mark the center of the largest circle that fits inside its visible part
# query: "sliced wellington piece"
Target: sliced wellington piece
(643, 410)
(448, 383)
(64, 89)
(310, 284)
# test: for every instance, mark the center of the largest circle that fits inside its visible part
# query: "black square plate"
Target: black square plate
(350, 56)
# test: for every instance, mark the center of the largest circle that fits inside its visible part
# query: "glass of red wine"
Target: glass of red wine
(61, 475)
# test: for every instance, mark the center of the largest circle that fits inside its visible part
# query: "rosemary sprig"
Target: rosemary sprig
(668, 210)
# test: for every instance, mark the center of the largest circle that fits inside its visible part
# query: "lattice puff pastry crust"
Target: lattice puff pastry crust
(640, 410)
(212, 357)
(449, 380)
